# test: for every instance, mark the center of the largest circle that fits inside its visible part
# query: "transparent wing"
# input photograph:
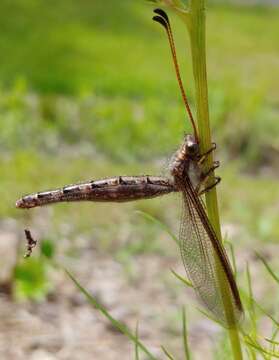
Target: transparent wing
(202, 254)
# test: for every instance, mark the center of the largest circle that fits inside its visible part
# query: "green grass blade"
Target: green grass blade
(117, 324)
(159, 223)
(249, 350)
(233, 258)
(210, 317)
(273, 342)
(248, 353)
(167, 353)
(262, 350)
(252, 311)
(268, 268)
(181, 278)
(275, 322)
(136, 343)
(197, 31)
(185, 335)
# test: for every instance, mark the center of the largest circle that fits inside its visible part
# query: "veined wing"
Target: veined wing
(202, 254)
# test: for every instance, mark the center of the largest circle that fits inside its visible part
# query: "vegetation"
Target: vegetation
(81, 87)
(85, 88)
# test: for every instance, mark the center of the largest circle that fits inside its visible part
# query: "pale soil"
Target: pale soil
(65, 327)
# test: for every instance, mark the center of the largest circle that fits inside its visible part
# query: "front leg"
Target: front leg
(203, 157)
(203, 186)
(116, 189)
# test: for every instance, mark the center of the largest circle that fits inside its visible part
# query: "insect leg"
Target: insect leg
(217, 179)
(205, 178)
(216, 164)
(205, 155)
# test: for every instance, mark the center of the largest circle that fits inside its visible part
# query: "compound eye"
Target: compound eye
(193, 148)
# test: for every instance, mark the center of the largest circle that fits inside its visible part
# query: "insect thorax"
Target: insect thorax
(185, 160)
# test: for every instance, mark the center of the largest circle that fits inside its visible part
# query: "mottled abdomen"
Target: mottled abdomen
(117, 189)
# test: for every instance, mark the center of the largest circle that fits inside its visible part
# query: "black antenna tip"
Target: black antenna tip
(160, 20)
(162, 13)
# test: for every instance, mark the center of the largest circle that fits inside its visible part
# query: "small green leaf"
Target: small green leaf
(47, 248)
(30, 279)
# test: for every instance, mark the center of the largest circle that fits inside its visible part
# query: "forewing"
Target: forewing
(202, 255)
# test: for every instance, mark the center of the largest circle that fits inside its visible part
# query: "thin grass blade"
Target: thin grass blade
(167, 353)
(252, 311)
(263, 351)
(136, 343)
(159, 223)
(211, 318)
(233, 258)
(117, 324)
(272, 341)
(275, 322)
(181, 278)
(268, 268)
(185, 335)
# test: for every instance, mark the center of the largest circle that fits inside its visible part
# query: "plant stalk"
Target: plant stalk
(195, 21)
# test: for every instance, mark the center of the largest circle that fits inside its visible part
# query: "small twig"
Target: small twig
(31, 243)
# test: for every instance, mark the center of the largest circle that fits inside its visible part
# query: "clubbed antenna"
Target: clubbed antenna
(162, 18)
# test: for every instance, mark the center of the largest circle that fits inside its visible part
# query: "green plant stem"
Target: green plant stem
(195, 21)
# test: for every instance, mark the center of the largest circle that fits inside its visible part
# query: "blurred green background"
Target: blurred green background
(87, 90)
(85, 87)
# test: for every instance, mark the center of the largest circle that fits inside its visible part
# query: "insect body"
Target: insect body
(204, 257)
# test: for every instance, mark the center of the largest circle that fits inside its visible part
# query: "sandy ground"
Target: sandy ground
(65, 327)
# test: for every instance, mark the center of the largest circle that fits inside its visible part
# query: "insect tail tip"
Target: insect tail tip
(19, 203)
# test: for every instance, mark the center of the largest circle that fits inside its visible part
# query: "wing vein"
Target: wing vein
(200, 248)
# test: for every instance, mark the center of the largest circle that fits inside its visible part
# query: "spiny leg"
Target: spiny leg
(217, 179)
(205, 178)
(216, 164)
(205, 155)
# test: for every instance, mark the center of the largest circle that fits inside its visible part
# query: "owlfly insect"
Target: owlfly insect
(201, 251)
